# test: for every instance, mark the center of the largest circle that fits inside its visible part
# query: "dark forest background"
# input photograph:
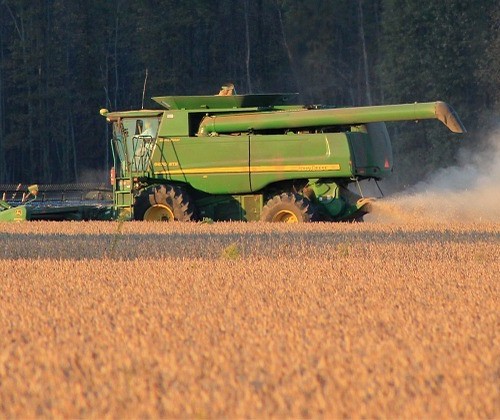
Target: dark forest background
(63, 60)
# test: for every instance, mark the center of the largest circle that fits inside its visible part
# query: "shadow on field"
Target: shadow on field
(210, 245)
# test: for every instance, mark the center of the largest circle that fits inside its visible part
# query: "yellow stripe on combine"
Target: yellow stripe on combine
(253, 169)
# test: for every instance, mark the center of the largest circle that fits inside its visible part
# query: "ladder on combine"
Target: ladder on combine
(124, 201)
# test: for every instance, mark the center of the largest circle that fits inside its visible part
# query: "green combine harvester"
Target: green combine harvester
(244, 157)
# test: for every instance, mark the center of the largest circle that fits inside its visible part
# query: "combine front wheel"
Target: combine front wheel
(163, 203)
(288, 208)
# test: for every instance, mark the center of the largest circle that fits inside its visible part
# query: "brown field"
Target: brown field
(102, 319)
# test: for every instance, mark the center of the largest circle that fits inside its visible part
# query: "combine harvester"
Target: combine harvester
(243, 157)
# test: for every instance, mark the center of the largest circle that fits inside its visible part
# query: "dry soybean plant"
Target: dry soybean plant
(249, 320)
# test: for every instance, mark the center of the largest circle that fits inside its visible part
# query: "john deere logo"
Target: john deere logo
(19, 212)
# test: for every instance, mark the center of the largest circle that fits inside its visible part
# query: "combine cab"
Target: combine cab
(253, 157)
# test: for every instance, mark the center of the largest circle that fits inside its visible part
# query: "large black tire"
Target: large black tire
(164, 203)
(288, 208)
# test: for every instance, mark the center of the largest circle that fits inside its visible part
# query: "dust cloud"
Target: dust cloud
(93, 176)
(467, 192)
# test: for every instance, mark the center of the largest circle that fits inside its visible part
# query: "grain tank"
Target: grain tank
(253, 157)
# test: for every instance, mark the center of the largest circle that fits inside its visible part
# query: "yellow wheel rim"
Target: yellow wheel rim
(285, 216)
(159, 213)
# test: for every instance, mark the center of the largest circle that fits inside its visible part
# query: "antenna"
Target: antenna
(144, 88)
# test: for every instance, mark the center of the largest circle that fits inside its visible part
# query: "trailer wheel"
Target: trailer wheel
(288, 208)
(164, 203)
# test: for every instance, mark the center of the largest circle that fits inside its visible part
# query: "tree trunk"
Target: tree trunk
(116, 57)
(2, 114)
(73, 145)
(247, 60)
(287, 48)
(365, 54)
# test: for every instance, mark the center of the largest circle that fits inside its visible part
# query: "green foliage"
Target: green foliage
(488, 71)
(343, 249)
(430, 51)
(324, 38)
(231, 252)
(60, 62)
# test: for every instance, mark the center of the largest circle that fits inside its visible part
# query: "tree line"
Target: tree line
(63, 60)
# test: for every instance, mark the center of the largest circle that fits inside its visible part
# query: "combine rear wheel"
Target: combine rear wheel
(288, 208)
(164, 203)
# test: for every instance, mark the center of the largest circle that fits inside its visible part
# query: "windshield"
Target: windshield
(134, 141)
